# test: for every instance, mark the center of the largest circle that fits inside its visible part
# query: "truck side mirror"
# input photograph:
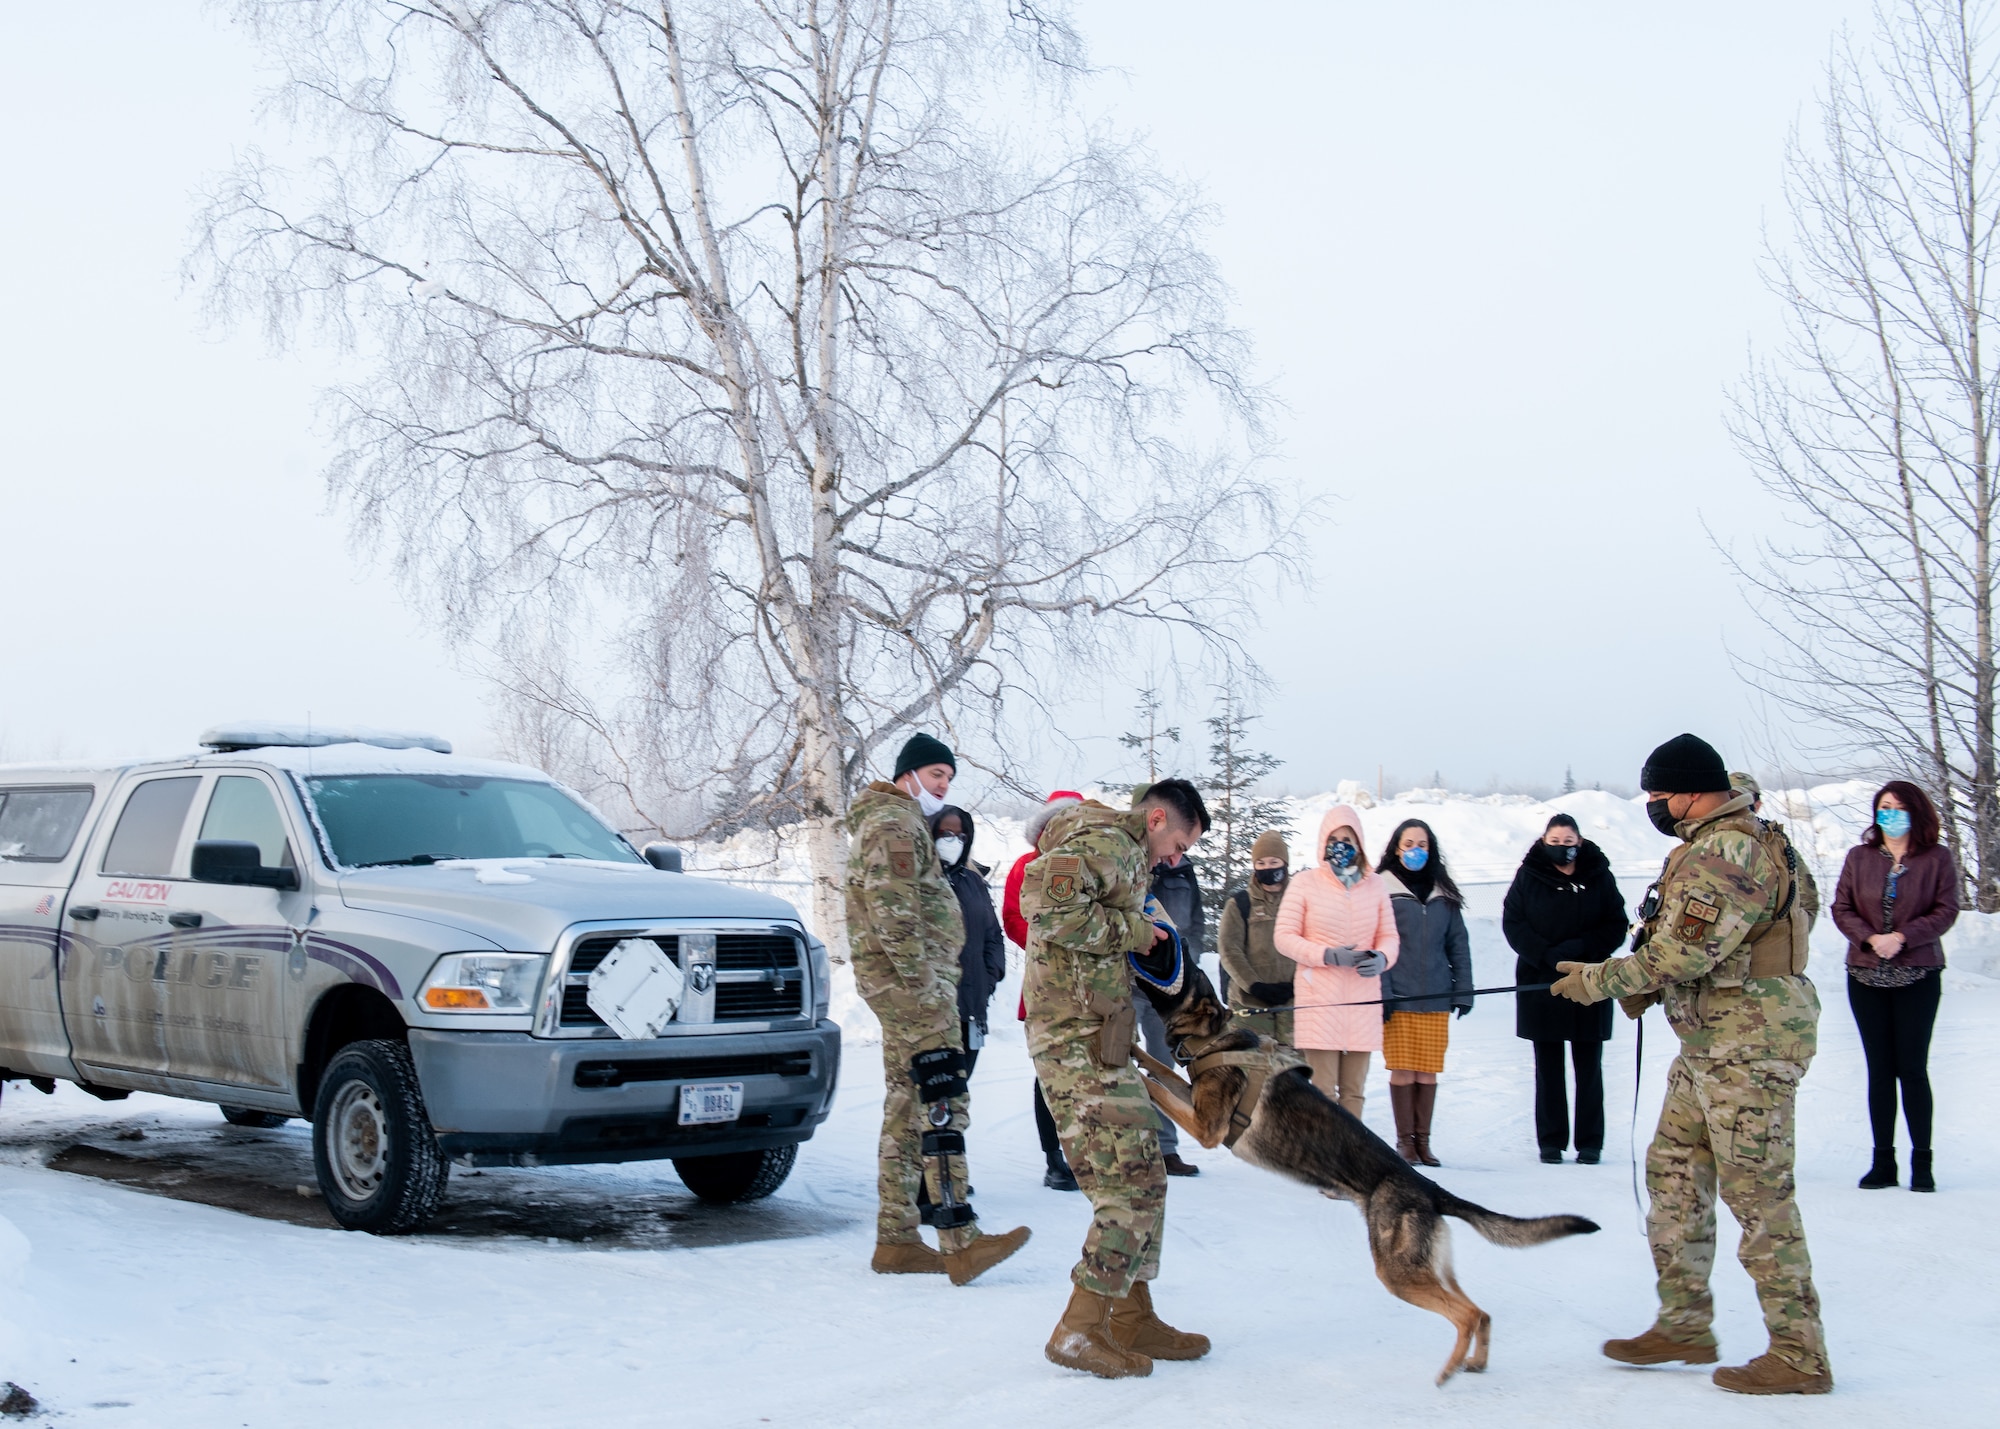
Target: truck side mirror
(664, 857)
(238, 862)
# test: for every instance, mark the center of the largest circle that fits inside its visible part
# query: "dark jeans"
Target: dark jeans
(1552, 1098)
(1895, 1024)
(1045, 1126)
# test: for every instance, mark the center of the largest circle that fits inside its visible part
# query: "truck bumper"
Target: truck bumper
(510, 1099)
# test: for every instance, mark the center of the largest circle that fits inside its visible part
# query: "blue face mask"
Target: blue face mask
(1415, 858)
(1340, 853)
(1894, 823)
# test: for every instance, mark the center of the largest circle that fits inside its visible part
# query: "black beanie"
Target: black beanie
(921, 752)
(1685, 764)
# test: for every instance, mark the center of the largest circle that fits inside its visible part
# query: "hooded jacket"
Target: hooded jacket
(1435, 952)
(982, 962)
(1551, 917)
(1320, 912)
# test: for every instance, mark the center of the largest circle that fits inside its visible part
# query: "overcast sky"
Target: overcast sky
(1500, 263)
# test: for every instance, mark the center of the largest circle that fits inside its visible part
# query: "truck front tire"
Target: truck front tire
(378, 1162)
(736, 1176)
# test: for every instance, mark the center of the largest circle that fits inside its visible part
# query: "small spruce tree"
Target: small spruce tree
(1569, 780)
(1149, 716)
(1238, 813)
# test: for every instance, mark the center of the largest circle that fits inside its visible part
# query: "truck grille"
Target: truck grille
(760, 977)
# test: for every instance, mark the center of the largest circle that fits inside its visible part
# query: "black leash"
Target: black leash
(1632, 1137)
(1412, 997)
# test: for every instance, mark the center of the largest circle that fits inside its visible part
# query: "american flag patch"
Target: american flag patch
(46, 906)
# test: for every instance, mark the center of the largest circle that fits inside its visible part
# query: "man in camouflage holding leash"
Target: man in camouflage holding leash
(1724, 946)
(1085, 899)
(904, 933)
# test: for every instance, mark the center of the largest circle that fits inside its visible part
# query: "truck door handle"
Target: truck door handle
(184, 920)
(84, 913)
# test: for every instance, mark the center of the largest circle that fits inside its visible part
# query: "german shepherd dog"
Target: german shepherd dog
(1296, 1130)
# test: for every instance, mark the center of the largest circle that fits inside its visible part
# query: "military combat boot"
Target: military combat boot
(987, 1251)
(1136, 1327)
(906, 1257)
(1083, 1340)
(1402, 1100)
(1767, 1374)
(1658, 1347)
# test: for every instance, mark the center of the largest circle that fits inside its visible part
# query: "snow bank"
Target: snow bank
(14, 1254)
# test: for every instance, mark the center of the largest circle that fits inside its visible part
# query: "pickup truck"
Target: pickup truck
(397, 944)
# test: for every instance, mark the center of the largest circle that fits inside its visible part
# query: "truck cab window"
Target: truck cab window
(241, 808)
(149, 829)
(38, 825)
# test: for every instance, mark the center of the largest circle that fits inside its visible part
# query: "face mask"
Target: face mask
(1340, 853)
(1415, 858)
(1894, 823)
(1561, 853)
(1656, 811)
(930, 804)
(950, 850)
(1270, 877)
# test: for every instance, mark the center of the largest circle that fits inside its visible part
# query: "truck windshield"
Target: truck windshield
(377, 819)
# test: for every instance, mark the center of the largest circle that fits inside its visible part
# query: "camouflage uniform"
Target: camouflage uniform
(904, 932)
(1084, 900)
(1732, 1093)
(1249, 955)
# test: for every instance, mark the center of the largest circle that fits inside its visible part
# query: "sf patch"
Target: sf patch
(1697, 920)
(1063, 871)
(902, 858)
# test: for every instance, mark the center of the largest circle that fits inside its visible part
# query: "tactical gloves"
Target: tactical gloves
(1572, 985)
(1635, 1006)
(1271, 994)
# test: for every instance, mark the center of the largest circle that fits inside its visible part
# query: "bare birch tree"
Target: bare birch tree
(814, 358)
(1876, 423)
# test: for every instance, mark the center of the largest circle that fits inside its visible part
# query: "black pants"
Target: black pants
(1895, 1024)
(1552, 1099)
(1045, 1127)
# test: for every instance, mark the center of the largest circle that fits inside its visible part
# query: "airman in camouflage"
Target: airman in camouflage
(904, 932)
(1086, 905)
(1723, 947)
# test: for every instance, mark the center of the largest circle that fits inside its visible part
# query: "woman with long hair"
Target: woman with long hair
(1434, 969)
(1897, 895)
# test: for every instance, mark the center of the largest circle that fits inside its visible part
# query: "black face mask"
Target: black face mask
(1656, 811)
(1561, 853)
(1271, 877)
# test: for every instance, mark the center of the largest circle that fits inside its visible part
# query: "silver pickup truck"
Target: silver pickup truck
(397, 944)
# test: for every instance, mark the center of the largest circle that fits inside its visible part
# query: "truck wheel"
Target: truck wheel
(736, 1176)
(379, 1165)
(243, 1116)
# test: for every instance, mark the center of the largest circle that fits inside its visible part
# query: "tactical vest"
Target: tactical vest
(1777, 946)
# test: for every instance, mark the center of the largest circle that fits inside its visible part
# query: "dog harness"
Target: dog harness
(1259, 1064)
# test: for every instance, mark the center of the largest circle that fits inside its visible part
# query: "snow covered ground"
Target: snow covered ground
(122, 1308)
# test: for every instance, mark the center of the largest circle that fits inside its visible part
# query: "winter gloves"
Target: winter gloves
(1368, 964)
(1271, 994)
(1572, 985)
(1342, 957)
(1461, 1008)
(1372, 964)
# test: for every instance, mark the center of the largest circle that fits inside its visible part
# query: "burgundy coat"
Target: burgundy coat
(1926, 905)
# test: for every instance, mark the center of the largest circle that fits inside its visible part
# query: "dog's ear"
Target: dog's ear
(1201, 1013)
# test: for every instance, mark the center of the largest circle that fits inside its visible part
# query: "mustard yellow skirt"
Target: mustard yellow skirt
(1416, 1041)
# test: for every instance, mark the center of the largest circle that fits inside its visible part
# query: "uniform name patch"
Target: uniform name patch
(902, 858)
(1063, 871)
(1698, 917)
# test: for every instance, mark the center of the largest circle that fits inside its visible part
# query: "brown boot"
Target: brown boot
(905, 1257)
(1402, 1102)
(1767, 1374)
(1658, 1347)
(1083, 1340)
(1420, 1108)
(1135, 1327)
(987, 1251)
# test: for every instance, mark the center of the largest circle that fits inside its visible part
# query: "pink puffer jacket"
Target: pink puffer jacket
(1321, 912)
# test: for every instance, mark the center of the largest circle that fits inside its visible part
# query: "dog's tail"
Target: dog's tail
(1514, 1230)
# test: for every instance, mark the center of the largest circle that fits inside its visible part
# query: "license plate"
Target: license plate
(705, 1102)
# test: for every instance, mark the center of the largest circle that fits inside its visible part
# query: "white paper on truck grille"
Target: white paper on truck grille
(636, 988)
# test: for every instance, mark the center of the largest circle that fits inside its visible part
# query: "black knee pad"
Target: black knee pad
(939, 1074)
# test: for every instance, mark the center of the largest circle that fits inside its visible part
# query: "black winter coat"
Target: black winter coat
(1551, 917)
(982, 962)
(1179, 892)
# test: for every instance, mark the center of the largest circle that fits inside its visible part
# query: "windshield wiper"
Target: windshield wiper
(418, 860)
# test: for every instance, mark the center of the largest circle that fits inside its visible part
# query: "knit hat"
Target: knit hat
(1270, 844)
(1685, 764)
(921, 752)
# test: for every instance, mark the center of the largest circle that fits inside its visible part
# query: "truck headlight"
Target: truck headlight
(822, 975)
(483, 982)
